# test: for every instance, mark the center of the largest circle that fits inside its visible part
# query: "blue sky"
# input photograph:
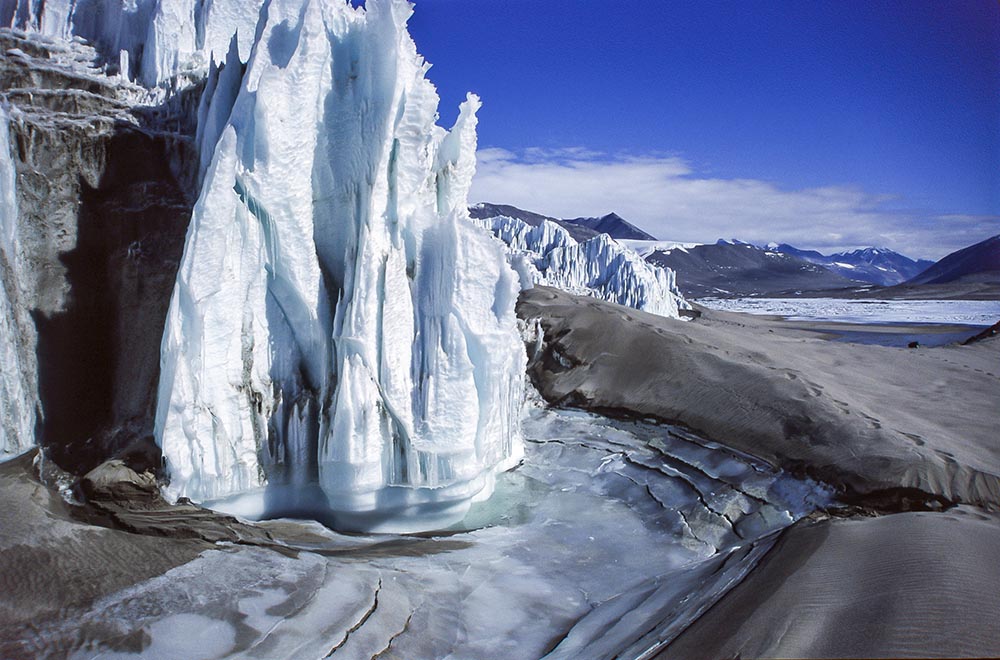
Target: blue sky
(831, 124)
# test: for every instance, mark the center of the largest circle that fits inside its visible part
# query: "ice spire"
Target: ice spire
(341, 339)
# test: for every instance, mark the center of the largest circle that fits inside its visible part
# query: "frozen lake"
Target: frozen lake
(946, 312)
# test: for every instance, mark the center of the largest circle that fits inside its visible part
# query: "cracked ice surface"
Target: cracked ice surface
(341, 342)
(608, 540)
(601, 266)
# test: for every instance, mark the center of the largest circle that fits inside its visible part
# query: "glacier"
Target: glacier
(18, 383)
(341, 341)
(602, 267)
(155, 42)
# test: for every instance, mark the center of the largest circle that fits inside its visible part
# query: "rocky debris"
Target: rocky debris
(114, 495)
(989, 332)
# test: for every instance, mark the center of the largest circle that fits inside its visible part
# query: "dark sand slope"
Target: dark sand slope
(894, 428)
(867, 418)
(906, 585)
(55, 564)
(52, 566)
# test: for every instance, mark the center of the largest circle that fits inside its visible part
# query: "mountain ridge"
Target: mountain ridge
(580, 228)
(980, 261)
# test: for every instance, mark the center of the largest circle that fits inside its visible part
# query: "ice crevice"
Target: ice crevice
(367, 614)
(406, 626)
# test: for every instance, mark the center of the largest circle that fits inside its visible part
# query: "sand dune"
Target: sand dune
(906, 585)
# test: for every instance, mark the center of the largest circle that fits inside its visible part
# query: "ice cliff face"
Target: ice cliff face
(18, 386)
(600, 266)
(341, 338)
(152, 41)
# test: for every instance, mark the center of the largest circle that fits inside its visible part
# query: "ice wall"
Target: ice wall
(341, 339)
(156, 40)
(183, 36)
(18, 377)
(600, 267)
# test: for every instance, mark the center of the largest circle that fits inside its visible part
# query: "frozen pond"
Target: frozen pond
(608, 539)
(951, 312)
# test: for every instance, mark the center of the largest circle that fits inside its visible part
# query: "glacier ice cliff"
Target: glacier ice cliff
(602, 267)
(341, 340)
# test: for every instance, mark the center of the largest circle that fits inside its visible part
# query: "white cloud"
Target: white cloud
(666, 197)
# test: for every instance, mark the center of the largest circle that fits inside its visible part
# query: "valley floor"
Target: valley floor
(907, 436)
(741, 486)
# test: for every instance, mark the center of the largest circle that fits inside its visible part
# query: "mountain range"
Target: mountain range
(735, 268)
(876, 265)
(979, 262)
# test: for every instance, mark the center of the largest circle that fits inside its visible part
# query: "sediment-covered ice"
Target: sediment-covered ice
(341, 338)
(601, 266)
(18, 377)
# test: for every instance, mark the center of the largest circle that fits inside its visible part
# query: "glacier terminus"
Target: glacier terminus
(341, 341)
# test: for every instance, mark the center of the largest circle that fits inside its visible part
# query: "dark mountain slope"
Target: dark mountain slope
(979, 262)
(614, 226)
(741, 269)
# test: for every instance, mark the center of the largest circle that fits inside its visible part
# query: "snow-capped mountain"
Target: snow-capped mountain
(600, 266)
(979, 262)
(485, 210)
(733, 268)
(874, 265)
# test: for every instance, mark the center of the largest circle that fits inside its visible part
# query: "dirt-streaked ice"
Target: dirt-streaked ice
(341, 340)
(608, 540)
(18, 381)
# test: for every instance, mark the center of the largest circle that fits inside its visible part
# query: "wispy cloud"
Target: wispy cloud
(665, 196)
